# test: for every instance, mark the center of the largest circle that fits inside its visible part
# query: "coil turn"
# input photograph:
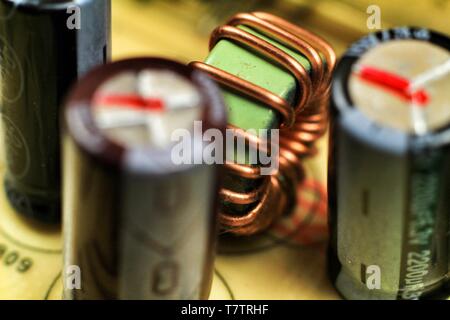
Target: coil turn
(302, 124)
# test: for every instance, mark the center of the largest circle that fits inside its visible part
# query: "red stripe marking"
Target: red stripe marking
(395, 83)
(131, 101)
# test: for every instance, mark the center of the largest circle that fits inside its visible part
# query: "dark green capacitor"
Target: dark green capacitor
(44, 47)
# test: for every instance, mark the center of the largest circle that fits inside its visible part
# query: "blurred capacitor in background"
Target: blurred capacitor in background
(44, 47)
(138, 223)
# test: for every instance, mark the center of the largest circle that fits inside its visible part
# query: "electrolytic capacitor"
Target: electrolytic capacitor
(389, 169)
(44, 47)
(137, 223)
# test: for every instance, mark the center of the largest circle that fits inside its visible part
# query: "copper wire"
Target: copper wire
(301, 124)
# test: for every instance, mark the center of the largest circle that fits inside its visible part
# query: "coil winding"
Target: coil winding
(302, 124)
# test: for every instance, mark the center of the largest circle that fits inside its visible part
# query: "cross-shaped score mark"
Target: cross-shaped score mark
(394, 83)
(133, 111)
(412, 91)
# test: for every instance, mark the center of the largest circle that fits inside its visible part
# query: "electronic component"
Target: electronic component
(44, 47)
(389, 169)
(138, 224)
(274, 74)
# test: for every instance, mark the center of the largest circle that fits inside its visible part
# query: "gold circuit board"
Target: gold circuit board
(293, 252)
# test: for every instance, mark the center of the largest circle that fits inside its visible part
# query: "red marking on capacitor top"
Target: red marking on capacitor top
(131, 101)
(394, 83)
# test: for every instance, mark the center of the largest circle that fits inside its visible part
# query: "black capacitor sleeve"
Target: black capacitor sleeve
(44, 47)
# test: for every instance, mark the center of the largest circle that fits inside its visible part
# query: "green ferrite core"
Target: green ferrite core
(247, 64)
(245, 112)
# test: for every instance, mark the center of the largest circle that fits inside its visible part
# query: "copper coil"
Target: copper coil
(302, 123)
